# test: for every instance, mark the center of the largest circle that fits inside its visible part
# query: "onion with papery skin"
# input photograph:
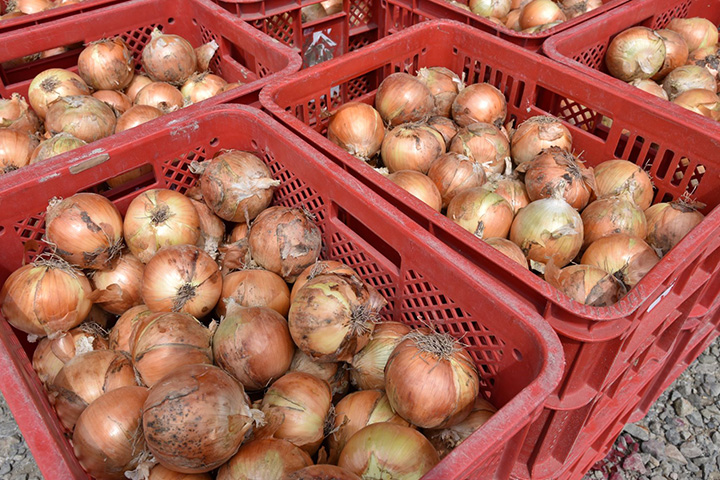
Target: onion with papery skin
(158, 472)
(537, 134)
(28, 7)
(445, 126)
(688, 77)
(452, 173)
(85, 378)
(120, 335)
(444, 85)
(510, 187)
(540, 12)
(239, 232)
(158, 218)
(242, 341)
(444, 440)
(16, 149)
(234, 256)
(402, 98)
(637, 52)
(575, 8)
(212, 229)
(586, 284)
(137, 115)
(163, 342)
(650, 87)
(490, 8)
(285, 241)
(160, 95)
(196, 418)
(356, 411)
(387, 450)
(676, 52)
(205, 54)
(169, 58)
(118, 287)
(108, 438)
(627, 258)
(50, 355)
(85, 117)
(202, 86)
(52, 84)
(444, 366)
(86, 230)
(706, 57)
(616, 176)
(230, 86)
(485, 144)
(106, 64)
(56, 145)
(358, 128)
(704, 102)
(668, 223)
(313, 12)
(321, 267)
(266, 459)
(333, 316)
(610, 215)
(480, 102)
(136, 84)
(418, 185)
(182, 278)
(512, 21)
(697, 32)
(411, 147)
(322, 472)
(335, 373)
(368, 365)
(15, 113)
(255, 288)
(120, 102)
(296, 408)
(481, 212)
(237, 185)
(509, 249)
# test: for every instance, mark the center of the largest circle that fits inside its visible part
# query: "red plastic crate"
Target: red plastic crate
(517, 354)
(401, 14)
(52, 14)
(584, 48)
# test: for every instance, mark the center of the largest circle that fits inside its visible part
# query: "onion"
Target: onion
(481, 212)
(237, 185)
(688, 77)
(537, 134)
(56, 145)
(230, 86)
(137, 115)
(136, 84)
(613, 177)
(453, 173)
(106, 64)
(626, 258)
(16, 149)
(158, 218)
(512, 21)
(255, 288)
(490, 8)
(704, 102)
(11, 14)
(332, 6)
(697, 32)
(86, 229)
(386, 449)
(325, 267)
(296, 407)
(546, 229)
(108, 438)
(358, 128)
(204, 54)
(160, 95)
(575, 8)
(212, 229)
(322, 472)
(158, 472)
(418, 185)
(637, 52)
(269, 458)
(28, 7)
(15, 113)
(444, 85)
(511, 188)
(182, 278)
(444, 440)
(202, 86)
(118, 287)
(168, 58)
(540, 12)
(285, 241)
(676, 52)
(509, 249)
(242, 341)
(335, 373)
(368, 365)
(114, 99)
(85, 117)
(239, 232)
(234, 256)
(86, 377)
(543, 27)
(586, 284)
(485, 144)
(519, 4)
(668, 223)
(402, 98)
(50, 355)
(163, 342)
(706, 57)
(445, 126)
(650, 87)
(313, 12)
(333, 316)
(119, 336)
(614, 214)
(411, 147)
(356, 411)
(52, 84)
(480, 102)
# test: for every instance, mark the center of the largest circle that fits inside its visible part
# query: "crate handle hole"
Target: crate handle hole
(518, 356)
(171, 20)
(214, 142)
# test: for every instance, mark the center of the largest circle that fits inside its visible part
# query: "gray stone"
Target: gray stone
(685, 434)
(5, 468)
(715, 438)
(691, 467)
(638, 431)
(695, 418)
(683, 389)
(654, 447)
(672, 453)
(617, 476)
(674, 437)
(634, 463)
(682, 406)
(690, 450)
(8, 447)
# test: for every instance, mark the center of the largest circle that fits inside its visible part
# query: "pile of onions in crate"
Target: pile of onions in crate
(220, 295)
(593, 234)
(106, 96)
(684, 57)
(19, 8)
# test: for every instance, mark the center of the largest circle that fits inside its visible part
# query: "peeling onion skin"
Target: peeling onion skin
(627, 258)
(106, 65)
(444, 85)
(57, 145)
(411, 147)
(669, 223)
(268, 458)
(169, 58)
(480, 102)
(586, 284)
(50, 85)
(321, 267)
(537, 134)
(610, 215)
(485, 144)
(120, 334)
(84, 117)
(676, 52)
(637, 52)
(50, 355)
(255, 288)
(614, 177)
(452, 173)
(120, 284)
(444, 440)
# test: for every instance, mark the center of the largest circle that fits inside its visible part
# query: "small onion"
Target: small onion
(285, 241)
(704, 102)
(688, 77)
(402, 98)
(196, 418)
(158, 472)
(182, 278)
(205, 54)
(627, 258)
(668, 223)
(509, 249)
(16, 149)
(613, 177)
(322, 472)
(52, 84)
(540, 12)
(212, 228)
(511, 188)
(512, 21)
(86, 229)
(697, 32)
(610, 215)
(368, 365)
(124, 329)
(411, 147)
(160, 95)
(480, 102)
(444, 440)
(120, 102)
(15, 113)
(255, 288)
(444, 85)
(490, 8)
(418, 185)
(676, 52)
(335, 373)
(537, 134)
(358, 128)
(202, 86)
(28, 7)
(452, 173)
(637, 52)
(445, 126)
(136, 115)
(481, 212)
(650, 87)
(118, 287)
(136, 84)
(169, 58)
(56, 145)
(85, 117)
(586, 284)
(321, 267)
(444, 366)
(267, 459)
(485, 144)
(106, 64)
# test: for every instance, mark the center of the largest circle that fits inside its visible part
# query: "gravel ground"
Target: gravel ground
(677, 440)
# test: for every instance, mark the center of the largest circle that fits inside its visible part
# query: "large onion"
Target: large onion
(481, 212)
(56, 145)
(444, 85)
(335, 373)
(445, 439)
(16, 149)
(485, 144)
(160, 95)
(708, 58)
(614, 177)
(136, 115)
(357, 128)
(196, 418)
(452, 173)
(368, 365)
(29, 7)
(586, 284)
(119, 336)
(119, 285)
(266, 459)
(697, 32)
(627, 258)
(169, 58)
(540, 12)
(15, 113)
(480, 102)
(509, 249)
(537, 134)
(255, 288)
(85, 117)
(614, 214)
(106, 64)
(411, 147)
(704, 102)
(676, 52)
(52, 84)
(637, 52)
(419, 186)
(668, 223)
(490, 8)
(320, 267)
(202, 86)
(117, 100)
(402, 98)
(688, 77)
